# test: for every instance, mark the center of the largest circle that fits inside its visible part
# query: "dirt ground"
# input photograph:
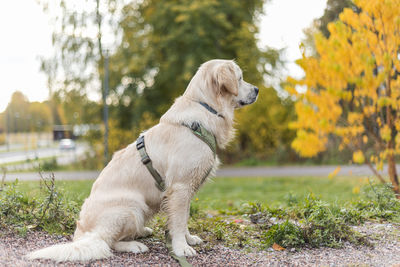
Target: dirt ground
(384, 252)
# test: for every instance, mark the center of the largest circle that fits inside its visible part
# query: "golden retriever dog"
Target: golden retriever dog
(124, 196)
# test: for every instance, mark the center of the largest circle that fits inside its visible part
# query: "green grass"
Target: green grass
(239, 212)
(76, 190)
(231, 193)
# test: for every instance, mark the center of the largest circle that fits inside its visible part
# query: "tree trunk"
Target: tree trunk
(391, 146)
(393, 175)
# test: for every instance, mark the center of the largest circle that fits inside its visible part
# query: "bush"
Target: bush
(49, 211)
(314, 224)
(49, 165)
(285, 234)
(324, 225)
(379, 202)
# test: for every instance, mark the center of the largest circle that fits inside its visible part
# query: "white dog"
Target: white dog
(124, 196)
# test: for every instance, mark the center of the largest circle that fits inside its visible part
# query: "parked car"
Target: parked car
(67, 144)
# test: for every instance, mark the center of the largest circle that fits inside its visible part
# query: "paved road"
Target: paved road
(224, 172)
(15, 156)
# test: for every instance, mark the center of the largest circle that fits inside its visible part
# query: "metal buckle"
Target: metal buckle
(140, 142)
(195, 126)
(146, 159)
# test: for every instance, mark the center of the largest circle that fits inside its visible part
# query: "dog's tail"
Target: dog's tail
(89, 247)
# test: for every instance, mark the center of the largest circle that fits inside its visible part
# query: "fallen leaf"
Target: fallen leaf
(277, 247)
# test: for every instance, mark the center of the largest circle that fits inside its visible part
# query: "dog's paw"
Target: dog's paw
(184, 250)
(193, 240)
(131, 246)
(147, 232)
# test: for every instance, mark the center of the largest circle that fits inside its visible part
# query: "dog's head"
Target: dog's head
(221, 83)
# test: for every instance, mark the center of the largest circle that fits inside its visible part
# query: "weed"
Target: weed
(219, 231)
(379, 202)
(286, 234)
(49, 164)
(49, 211)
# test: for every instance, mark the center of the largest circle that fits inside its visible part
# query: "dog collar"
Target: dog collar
(210, 109)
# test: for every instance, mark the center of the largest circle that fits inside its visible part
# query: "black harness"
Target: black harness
(197, 129)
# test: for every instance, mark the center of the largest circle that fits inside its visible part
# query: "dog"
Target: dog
(124, 196)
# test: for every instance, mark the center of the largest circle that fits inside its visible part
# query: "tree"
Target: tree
(164, 42)
(78, 38)
(331, 14)
(78, 33)
(161, 45)
(40, 116)
(23, 116)
(17, 113)
(353, 87)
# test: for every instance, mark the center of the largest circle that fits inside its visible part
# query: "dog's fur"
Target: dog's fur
(124, 196)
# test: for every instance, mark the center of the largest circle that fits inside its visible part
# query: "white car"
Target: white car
(67, 144)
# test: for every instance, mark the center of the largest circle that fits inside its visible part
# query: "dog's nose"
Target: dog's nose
(256, 89)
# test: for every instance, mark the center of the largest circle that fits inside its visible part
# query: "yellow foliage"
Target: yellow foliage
(308, 144)
(351, 83)
(358, 157)
(386, 133)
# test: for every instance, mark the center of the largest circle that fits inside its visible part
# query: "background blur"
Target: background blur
(55, 56)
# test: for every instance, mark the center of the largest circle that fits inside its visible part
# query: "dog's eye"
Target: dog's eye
(240, 78)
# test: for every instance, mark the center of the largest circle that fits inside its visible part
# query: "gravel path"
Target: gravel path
(385, 252)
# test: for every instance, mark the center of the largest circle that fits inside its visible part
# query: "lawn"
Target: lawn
(251, 212)
(231, 193)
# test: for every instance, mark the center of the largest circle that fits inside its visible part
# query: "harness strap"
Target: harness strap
(147, 162)
(204, 135)
(181, 260)
(198, 130)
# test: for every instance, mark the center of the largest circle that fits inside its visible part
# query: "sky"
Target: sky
(25, 34)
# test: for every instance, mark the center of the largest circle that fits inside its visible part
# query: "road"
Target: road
(18, 156)
(293, 171)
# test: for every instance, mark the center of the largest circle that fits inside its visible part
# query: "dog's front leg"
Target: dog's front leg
(191, 239)
(177, 206)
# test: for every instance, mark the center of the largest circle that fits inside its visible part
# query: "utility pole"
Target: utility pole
(105, 111)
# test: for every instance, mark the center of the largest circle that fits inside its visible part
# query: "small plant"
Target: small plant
(49, 165)
(379, 202)
(285, 234)
(219, 231)
(194, 209)
(49, 211)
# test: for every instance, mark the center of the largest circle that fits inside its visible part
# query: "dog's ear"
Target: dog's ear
(226, 79)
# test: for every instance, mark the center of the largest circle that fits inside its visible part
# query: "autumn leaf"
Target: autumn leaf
(358, 157)
(334, 173)
(277, 247)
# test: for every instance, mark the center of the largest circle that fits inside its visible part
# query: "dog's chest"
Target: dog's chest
(207, 173)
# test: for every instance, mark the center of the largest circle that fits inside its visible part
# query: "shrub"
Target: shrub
(50, 210)
(379, 202)
(311, 223)
(49, 165)
(286, 234)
